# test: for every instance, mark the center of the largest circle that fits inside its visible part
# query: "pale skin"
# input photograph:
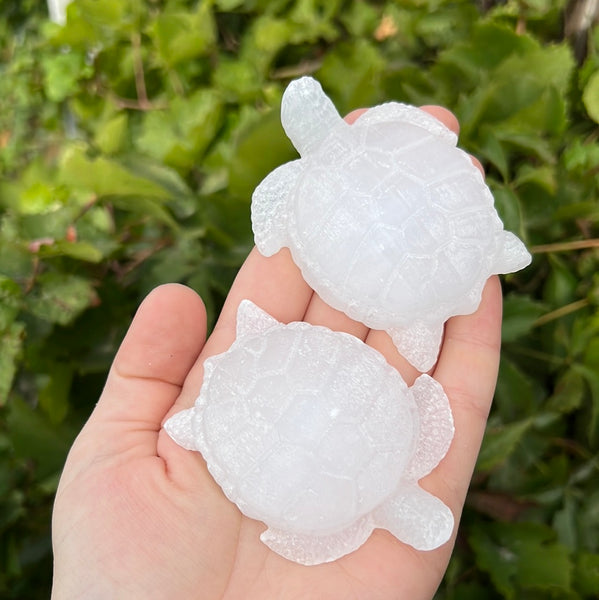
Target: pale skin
(137, 516)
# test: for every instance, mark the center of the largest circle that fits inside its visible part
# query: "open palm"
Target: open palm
(136, 516)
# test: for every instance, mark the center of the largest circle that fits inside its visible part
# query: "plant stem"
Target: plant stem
(565, 246)
(138, 67)
(561, 312)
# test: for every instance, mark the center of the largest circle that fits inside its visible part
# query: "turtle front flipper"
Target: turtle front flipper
(269, 211)
(436, 427)
(179, 427)
(419, 343)
(316, 549)
(417, 518)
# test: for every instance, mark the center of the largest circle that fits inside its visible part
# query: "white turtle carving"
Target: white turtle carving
(312, 432)
(388, 221)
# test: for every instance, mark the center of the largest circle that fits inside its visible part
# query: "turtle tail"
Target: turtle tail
(513, 254)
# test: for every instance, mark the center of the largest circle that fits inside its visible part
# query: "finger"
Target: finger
(354, 115)
(320, 313)
(444, 115)
(439, 112)
(163, 342)
(477, 164)
(451, 121)
(467, 370)
(381, 341)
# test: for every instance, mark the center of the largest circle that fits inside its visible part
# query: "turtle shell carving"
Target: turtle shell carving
(387, 219)
(312, 432)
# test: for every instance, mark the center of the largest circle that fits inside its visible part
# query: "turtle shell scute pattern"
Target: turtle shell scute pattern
(303, 426)
(394, 223)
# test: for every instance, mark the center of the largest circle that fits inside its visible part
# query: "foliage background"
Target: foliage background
(130, 142)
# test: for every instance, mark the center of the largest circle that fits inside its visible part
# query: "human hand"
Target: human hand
(137, 516)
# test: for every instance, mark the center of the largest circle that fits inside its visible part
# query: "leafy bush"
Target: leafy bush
(131, 141)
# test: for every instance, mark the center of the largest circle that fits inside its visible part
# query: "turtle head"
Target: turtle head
(307, 114)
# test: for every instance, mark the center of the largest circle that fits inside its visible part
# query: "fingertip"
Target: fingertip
(165, 337)
(354, 115)
(171, 293)
(444, 115)
(477, 164)
(482, 327)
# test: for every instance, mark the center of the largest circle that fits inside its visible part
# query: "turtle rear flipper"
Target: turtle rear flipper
(315, 549)
(417, 518)
(513, 254)
(436, 427)
(269, 212)
(419, 343)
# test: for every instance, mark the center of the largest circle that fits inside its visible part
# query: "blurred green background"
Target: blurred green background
(130, 142)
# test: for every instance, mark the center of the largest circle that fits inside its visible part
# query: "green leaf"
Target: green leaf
(103, 176)
(519, 316)
(115, 181)
(351, 74)
(568, 393)
(10, 301)
(586, 574)
(592, 379)
(54, 394)
(238, 80)
(40, 198)
(561, 286)
(145, 207)
(182, 36)
(33, 437)
(544, 177)
(60, 297)
(181, 199)
(581, 156)
(11, 339)
(520, 557)
(499, 443)
(509, 207)
(111, 135)
(61, 74)
(360, 18)
(91, 23)
(179, 135)
(528, 74)
(501, 566)
(78, 250)
(488, 46)
(228, 5)
(515, 393)
(491, 149)
(564, 523)
(267, 36)
(526, 92)
(262, 147)
(590, 97)
(528, 142)
(313, 20)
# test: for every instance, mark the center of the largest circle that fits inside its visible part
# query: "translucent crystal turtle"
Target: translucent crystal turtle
(312, 432)
(387, 219)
